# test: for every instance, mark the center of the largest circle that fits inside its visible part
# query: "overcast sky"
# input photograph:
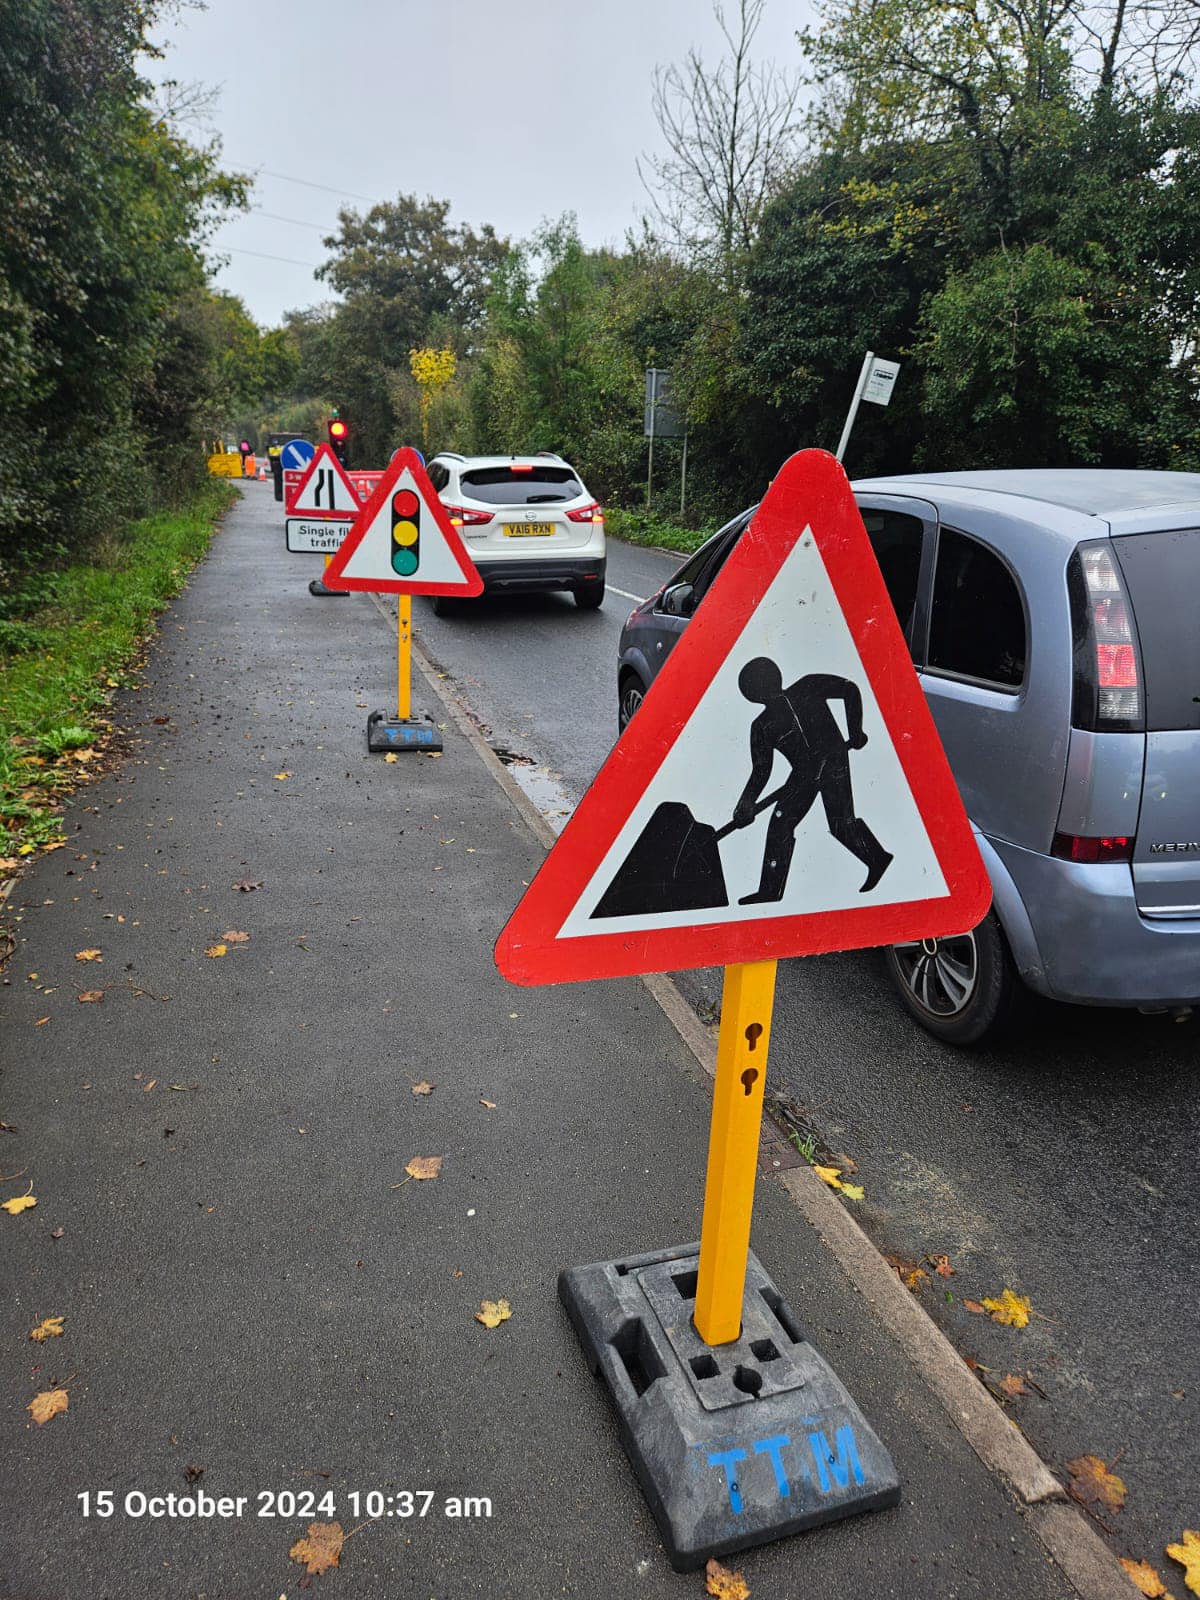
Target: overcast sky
(512, 112)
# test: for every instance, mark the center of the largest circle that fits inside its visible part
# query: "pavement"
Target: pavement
(251, 1290)
(1060, 1163)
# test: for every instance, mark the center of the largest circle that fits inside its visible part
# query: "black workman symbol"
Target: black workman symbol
(798, 724)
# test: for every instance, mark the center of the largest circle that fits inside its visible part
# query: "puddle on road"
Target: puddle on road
(543, 788)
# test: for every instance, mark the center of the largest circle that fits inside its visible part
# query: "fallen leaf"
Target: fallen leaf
(1010, 1311)
(423, 1088)
(41, 1022)
(391, 758)
(941, 1265)
(1144, 1578)
(90, 995)
(493, 1312)
(192, 1473)
(424, 1166)
(20, 1202)
(1188, 1556)
(146, 1087)
(973, 1306)
(490, 1104)
(236, 936)
(320, 1548)
(215, 950)
(49, 1328)
(248, 885)
(723, 1583)
(88, 955)
(280, 776)
(829, 1175)
(854, 1191)
(1092, 1482)
(47, 1404)
(1012, 1385)
(57, 1233)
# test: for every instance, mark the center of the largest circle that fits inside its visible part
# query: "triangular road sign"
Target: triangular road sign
(781, 790)
(402, 541)
(324, 490)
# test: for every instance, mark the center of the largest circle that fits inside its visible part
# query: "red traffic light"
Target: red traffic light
(338, 430)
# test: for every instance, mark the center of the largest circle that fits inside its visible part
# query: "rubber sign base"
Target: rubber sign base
(734, 1445)
(319, 592)
(402, 733)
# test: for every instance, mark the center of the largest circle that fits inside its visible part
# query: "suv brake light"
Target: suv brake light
(591, 513)
(1074, 847)
(460, 517)
(1108, 690)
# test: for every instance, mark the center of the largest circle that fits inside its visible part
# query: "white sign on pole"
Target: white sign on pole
(880, 381)
(316, 538)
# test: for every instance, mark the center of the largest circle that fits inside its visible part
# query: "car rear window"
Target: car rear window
(1162, 571)
(510, 486)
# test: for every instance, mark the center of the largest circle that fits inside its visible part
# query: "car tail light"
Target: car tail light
(590, 513)
(460, 517)
(1108, 690)
(521, 466)
(1075, 847)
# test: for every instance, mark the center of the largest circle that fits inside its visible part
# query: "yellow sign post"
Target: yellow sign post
(747, 1001)
(404, 656)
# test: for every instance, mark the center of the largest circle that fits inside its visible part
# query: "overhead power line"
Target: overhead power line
(346, 194)
(317, 227)
(262, 256)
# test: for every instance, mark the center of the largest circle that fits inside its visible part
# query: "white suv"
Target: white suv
(528, 522)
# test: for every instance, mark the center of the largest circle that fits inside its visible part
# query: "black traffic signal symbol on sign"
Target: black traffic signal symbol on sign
(406, 533)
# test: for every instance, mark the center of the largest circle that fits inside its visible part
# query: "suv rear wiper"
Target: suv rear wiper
(545, 499)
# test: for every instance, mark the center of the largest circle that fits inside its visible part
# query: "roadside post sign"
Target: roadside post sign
(296, 454)
(701, 842)
(876, 380)
(403, 543)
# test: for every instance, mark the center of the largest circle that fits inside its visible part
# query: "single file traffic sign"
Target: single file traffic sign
(403, 542)
(781, 791)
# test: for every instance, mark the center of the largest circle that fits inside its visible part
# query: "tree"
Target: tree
(729, 137)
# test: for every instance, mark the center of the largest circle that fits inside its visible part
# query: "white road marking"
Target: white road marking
(625, 594)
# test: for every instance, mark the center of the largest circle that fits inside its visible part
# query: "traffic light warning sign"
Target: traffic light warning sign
(403, 542)
(325, 490)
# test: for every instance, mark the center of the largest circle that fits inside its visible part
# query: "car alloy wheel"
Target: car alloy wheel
(632, 696)
(941, 975)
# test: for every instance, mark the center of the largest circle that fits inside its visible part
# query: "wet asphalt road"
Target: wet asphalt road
(1063, 1166)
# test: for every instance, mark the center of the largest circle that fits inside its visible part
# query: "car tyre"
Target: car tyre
(443, 605)
(590, 598)
(964, 990)
(630, 695)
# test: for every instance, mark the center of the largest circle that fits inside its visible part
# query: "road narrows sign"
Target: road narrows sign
(402, 541)
(782, 789)
(324, 490)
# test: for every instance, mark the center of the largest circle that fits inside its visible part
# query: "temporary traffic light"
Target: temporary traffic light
(406, 533)
(339, 433)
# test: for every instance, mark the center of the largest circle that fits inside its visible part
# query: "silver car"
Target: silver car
(1054, 620)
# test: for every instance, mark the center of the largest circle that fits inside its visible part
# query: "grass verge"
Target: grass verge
(65, 645)
(658, 532)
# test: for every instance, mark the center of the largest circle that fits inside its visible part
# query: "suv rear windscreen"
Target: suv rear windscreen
(510, 486)
(1162, 571)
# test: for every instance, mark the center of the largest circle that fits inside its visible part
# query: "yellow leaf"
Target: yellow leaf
(47, 1404)
(723, 1583)
(88, 955)
(320, 1548)
(493, 1312)
(423, 1088)
(424, 1166)
(26, 849)
(391, 758)
(89, 996)
(829, 1175)
(854, 1191)
(280, 776)
(1010, 1311)
(49, 1328)
(215, 950)
(1145, 1579)
(1188, 1556)
(1092, 1481)
(20, 1202)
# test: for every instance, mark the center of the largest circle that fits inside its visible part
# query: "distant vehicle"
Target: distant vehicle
(527, 521)
(1052, 617)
